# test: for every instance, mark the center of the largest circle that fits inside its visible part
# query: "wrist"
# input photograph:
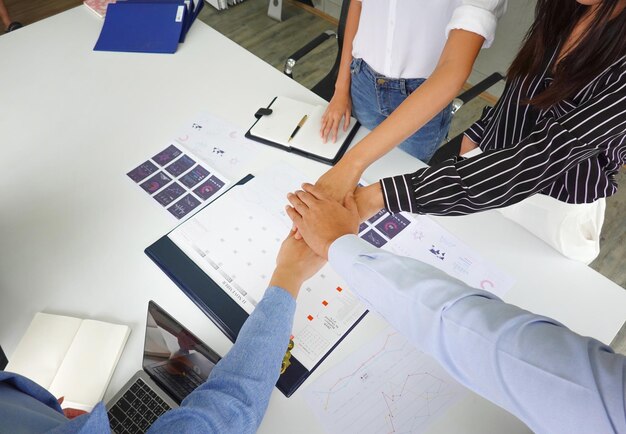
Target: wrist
(287, 279)
(351, 164)
(372, 200)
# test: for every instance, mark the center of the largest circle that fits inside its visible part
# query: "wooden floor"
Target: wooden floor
(248, 25)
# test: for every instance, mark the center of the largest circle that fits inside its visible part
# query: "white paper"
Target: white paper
(236, 241)
(428, 242)
(388, 386)
(220, 144)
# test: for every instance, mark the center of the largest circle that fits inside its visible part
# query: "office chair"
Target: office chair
(452, 147)
(326, 87)
(3, 360)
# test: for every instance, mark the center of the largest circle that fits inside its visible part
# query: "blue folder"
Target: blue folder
(142, 27)
(188, 18)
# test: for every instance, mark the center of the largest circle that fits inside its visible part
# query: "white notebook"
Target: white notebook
(276, 129)
(71, 357)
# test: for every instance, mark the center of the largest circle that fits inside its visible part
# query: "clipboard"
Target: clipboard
(266, 112)
(225, 313)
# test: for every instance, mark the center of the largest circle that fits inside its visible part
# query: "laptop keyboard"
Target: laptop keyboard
(180, 385)
(136, 410)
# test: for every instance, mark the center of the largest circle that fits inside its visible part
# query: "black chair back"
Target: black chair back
(326, 86)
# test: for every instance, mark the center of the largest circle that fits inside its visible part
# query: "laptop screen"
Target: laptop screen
(173, 356)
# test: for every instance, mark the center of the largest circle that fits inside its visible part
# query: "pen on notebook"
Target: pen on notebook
(300, 124)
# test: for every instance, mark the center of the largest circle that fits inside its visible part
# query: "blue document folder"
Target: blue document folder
(142, 27)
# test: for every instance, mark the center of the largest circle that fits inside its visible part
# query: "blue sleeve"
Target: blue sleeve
(236, 394)
(552, 379)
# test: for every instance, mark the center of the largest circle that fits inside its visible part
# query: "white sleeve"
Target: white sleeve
(478, 16)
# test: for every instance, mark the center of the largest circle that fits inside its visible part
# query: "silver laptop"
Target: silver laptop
(175, 362)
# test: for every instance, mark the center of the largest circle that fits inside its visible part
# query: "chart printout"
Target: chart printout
(386, 387)
(236, 241)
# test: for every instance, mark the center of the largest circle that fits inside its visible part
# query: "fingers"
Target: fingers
(307, 198)
(330, 126)
(346, 120)
(293, 215)
(314, 190)
(297, 203)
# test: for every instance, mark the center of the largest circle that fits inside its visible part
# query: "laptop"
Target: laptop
(175, 362)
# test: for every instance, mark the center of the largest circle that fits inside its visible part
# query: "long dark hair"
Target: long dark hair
(602, 44)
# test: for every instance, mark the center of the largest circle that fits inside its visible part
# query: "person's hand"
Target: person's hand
(321, 220)
(295, 263)
(338, 181)
(467, 145)
(369, 200)
(70, 413)
(340, 107)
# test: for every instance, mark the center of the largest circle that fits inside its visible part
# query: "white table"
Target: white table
(73, 228)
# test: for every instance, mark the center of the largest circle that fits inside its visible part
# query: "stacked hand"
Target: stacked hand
(295, 263)
(320, 220)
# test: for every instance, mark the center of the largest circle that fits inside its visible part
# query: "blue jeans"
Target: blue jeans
(374, 97)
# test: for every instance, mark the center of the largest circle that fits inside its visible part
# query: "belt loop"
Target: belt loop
(403, 86)
(357, 65)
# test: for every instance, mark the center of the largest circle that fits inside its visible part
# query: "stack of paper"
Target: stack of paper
(99, 7)
(147, 26)
(71, 357)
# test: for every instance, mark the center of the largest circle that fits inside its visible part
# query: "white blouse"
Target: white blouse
(404, 38)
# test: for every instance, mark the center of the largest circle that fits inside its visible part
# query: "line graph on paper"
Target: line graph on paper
(388, 386)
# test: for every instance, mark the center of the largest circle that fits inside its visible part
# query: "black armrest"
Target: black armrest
(291, 61)
(475, 90)
(3, 360)
(480, 87)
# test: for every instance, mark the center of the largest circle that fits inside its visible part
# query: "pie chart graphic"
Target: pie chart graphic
(487, 284)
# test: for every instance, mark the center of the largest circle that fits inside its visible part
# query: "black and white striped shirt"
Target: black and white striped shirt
(571, 151)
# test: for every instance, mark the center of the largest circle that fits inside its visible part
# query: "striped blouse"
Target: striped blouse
(571, 151)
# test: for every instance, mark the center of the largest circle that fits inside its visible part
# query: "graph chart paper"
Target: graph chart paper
(388, 386)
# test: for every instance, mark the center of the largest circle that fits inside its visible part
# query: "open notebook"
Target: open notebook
(284, 114)
(71, 357)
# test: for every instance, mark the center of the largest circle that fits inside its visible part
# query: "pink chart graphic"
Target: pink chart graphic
(387, 387)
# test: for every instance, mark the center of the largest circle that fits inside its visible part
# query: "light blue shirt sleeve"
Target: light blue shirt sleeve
(552, 379)
(235, 397)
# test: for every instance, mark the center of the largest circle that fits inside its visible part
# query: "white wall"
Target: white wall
(511, 31)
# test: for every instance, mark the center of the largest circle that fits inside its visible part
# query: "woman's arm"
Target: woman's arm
(453, 68)
(340, 106)
(503, 177)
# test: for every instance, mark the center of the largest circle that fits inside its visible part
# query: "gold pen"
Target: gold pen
(300, 124)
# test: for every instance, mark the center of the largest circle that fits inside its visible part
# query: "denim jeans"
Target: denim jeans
(374, 97)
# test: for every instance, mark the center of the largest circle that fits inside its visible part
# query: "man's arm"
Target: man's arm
(554, 380)
(235, 397)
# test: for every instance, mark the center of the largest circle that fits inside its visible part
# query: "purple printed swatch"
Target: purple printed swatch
(142, 171)
(169, 194)
(374, 239)
(180, 166)
(393, 225)
(181, 208)
(194, 176)
(155, 183)
(167, 155)
(209, 187)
